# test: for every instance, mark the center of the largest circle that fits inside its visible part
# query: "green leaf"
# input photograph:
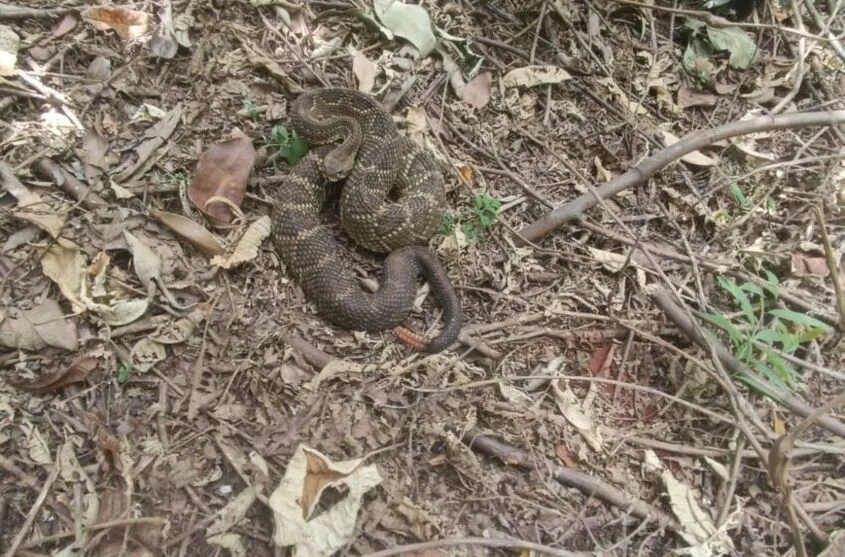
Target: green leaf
(763, 369)
(740, 197)
(769, 336)
(740, 297)
(799, 318)
(723, 323)
(743, 51)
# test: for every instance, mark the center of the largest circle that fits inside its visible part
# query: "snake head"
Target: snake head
(337, 164)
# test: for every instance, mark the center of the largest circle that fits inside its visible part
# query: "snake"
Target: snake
(391, 202)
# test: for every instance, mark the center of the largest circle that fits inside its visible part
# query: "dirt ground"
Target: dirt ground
(166, 388)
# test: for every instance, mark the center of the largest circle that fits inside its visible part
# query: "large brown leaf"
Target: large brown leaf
(219, 183)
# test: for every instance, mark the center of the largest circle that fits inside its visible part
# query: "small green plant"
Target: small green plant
(483, 215)
(763, 328)
(290, 146)
(741, 200)
(123, 373)
(251, 109)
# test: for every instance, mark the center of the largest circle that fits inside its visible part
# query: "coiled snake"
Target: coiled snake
(391, 202)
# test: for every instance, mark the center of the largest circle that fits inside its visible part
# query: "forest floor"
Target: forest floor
(658, 371)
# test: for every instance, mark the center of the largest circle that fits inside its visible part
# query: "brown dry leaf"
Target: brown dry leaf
(65, 25)
(364, 69)
(191, 231)
(164, 43)
(695, 97)
(94, 149)
(43, 325)
(247, 248)
(477, 92)
(222, 172)
(76, 372)
(805, 265)
(174, 332)
(578, 413)
(64, 263)
(233, 512)
(126, 22)
(531, 76)
(145, 354)
(146, 262)
(50, 222)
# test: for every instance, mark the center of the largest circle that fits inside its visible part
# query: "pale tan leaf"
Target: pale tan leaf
(180, 330)
(145, 261)
(65, 265)
(696, 158)
(145, 354)
(191, 231)
(43, 325)
(247, 248)
(364, 69)
(120, 312)
(478, 91)
(9, 46)
(51, 223)
(531, 76)
(233, 512)
(577, 413)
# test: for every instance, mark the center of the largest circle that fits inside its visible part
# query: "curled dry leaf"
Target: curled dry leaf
(531, 76)
(126, 22)
(76, 372)
(65, 264)
(33, 329)
(309, 472)
(191, 231)
(247, 248)
(222, 172)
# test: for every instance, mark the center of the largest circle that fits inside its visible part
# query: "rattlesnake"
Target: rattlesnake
(391, 202)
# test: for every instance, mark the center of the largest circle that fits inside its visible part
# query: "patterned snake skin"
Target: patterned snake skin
(391, 202)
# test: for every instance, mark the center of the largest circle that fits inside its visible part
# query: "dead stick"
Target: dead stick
(589, 485)
(573, 210)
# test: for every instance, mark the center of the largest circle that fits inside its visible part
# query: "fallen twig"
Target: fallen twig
(573, 210)
(590, 485)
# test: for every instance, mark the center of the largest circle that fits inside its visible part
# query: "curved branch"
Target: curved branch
(572, 210)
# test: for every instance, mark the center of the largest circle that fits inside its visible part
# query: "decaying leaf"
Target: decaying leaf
(222, 173)
(408, 21)
(309, 472)
(477, 92)
(146, 262)
(364, 69)
(578, 413)
(247, 247)
(43, 217)
(234, 511)
(804, 265)
(64, 263)
(695, 97)
(43, 325)
(126, 22)
(531, 76)
(174, 332)
(76, 372)
(191, 231)
(145, 354)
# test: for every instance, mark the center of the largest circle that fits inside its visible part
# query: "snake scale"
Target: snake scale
(391, 202)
